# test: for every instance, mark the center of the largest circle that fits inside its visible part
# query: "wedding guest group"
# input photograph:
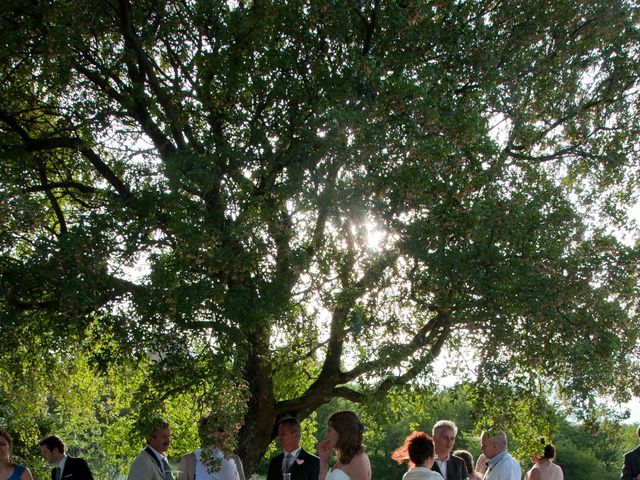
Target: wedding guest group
(446, 464)
(9, 469)
(631, 463)
(419, 450)
(152, 463)
(293, 459)
(428, 457)
(65, 467)
(345, 434)
(500, 464)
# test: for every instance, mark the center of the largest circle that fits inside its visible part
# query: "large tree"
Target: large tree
(316, 198)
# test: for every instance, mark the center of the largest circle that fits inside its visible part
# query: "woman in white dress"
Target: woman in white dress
(211, 462)
(419, 450)
(344, 433)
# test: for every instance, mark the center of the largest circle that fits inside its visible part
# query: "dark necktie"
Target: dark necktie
(288, 460)
(167, 469)
(58, 473)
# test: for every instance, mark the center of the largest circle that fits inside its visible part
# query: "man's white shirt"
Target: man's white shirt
(61, 464)
(503, 467)
(442, 465)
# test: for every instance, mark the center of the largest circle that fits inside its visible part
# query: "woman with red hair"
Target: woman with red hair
(419, 450)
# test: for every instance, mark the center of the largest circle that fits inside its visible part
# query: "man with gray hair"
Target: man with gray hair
(500, 464)
(151, 463)
(446, 464)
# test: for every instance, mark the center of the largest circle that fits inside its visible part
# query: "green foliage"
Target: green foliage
(605, 432)
(579, 462)
(97, 412)
(629, 437)
(596, 443)
(525, 417)
(190, 191)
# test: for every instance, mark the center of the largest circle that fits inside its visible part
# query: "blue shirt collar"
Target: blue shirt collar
(496, 459)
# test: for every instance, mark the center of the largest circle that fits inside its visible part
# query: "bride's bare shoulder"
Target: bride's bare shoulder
(359, 467)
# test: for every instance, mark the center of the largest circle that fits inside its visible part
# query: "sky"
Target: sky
(450, 378)
(634, 408)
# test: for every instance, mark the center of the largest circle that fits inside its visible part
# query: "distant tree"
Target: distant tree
(597, 435)
(604, 436)
(579, 462)
(310, 200)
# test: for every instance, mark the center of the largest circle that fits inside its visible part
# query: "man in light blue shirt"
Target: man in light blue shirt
(500, 465)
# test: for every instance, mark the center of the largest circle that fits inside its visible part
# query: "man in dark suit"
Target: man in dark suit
(294, 459)
(446, 464)
(66, 467)
(631, 465)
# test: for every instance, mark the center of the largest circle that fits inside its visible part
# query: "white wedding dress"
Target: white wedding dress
(337, 474)
(227, 470)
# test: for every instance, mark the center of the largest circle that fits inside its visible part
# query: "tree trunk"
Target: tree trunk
(257, 430)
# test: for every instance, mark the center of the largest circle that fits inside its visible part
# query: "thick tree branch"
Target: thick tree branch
(369, 27)
(114, 288)
(69, 184)
(73, 143)
(42, 172)
(322, 392)
(331, 373)
(15, 126)
(108, 174)
(39, 144)
(558, 154)
(417, 367)
(433, 332)
(131, 41)
(324, 203)
(102, 82)
(348, 394)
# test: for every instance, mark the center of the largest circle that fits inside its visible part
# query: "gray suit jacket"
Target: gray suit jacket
(146, 467)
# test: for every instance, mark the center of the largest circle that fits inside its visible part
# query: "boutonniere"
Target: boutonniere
(299, 461)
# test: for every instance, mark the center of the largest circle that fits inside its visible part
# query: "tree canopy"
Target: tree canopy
(306, 200)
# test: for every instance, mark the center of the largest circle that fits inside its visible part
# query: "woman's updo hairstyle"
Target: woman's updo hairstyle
(549, 451)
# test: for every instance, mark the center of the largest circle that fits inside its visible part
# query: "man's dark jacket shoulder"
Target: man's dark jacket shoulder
(456, 468)
(305, 467)
(74, 469)
(631, 465)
